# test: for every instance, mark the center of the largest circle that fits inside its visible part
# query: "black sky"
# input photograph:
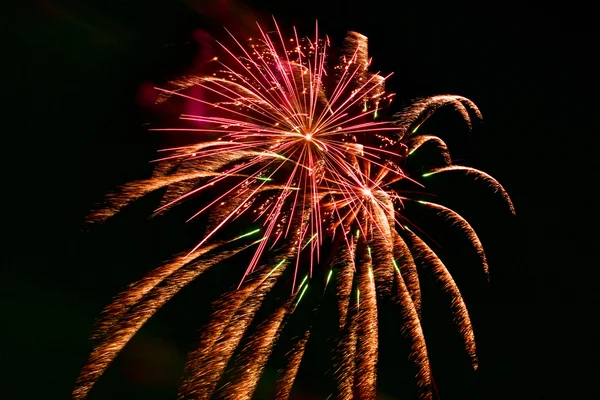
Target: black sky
(73, 129)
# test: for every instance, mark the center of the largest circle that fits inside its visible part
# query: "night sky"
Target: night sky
(76, 126)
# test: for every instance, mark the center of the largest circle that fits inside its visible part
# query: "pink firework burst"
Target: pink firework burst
(293, 142)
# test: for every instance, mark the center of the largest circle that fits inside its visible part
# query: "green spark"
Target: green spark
(310, 240)
(277, 156)
(275, 268)
(412, 151)
(304, 280)
(329, 277)
(421, 201)
(396, 265)
(427, 174)
(375, 114)
(369, 250)
(264, 179)
(357, 298)
(301, 294)
(357, 233)
(246, 234)
(260, 240)
(407, 228)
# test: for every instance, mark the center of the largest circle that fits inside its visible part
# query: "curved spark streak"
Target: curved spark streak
(121, 332)
(346, 358)
(457, 220)
(415, 142)
(345, 266)
(428, 259)
(383, 251)
(367, 335)
(410, 119)
(408, 270)
(136, 291)
(415, 333)
(229, 322)
(128, 193)
(287, 375)
(254, 356)
(493, 183)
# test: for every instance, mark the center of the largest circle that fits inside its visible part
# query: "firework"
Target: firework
(294, 142)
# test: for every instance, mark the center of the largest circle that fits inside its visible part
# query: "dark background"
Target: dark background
(73, 128)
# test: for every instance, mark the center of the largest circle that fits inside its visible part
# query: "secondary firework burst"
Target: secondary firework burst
(293, 140)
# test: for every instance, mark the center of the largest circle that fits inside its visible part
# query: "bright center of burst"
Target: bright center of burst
(367, 192)
(308, 136)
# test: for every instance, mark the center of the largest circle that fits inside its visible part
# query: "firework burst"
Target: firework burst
(299, 148)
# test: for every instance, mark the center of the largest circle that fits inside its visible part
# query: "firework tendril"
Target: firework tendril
(295, 142)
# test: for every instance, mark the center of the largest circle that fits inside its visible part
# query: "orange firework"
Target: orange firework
(298, 148)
